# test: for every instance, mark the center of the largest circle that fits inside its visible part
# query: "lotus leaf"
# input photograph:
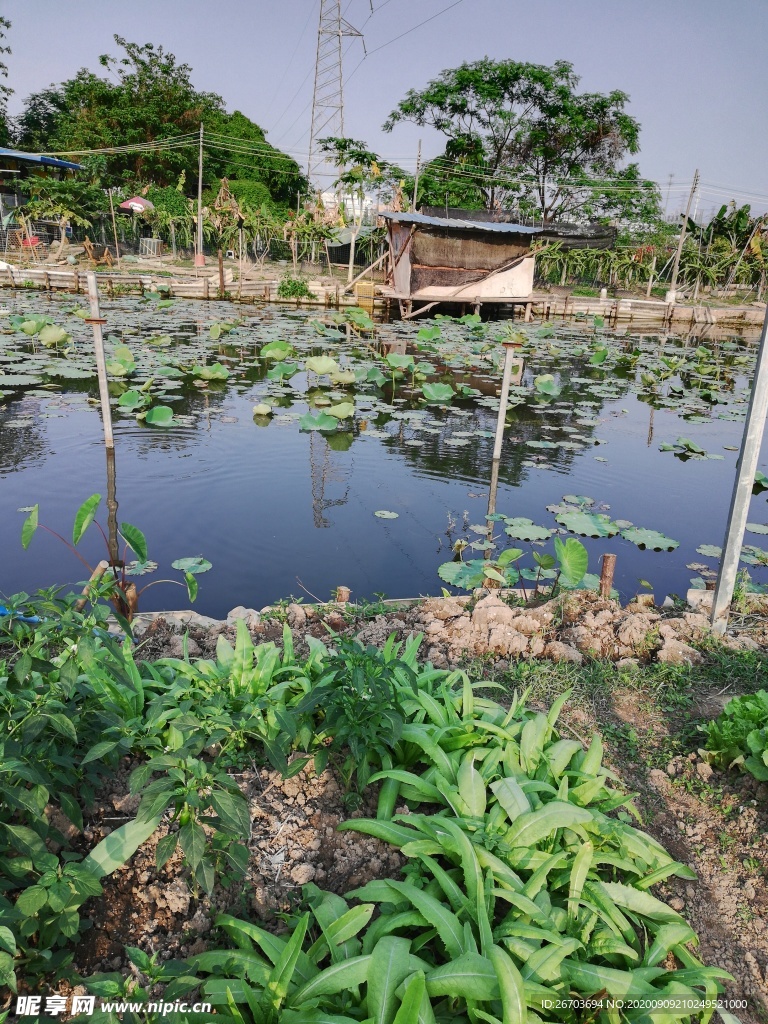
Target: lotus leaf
(761, 482)
(192, 565)
(399, 362)
(588, 524)
(649, 539)
(277, 350)
(757, 527)
(159, 416)
(344, 377)
(132, 400)
(282, 370)
(525, 529)
(753, 555)
(709, 550)
(320, 422)
(52, 335)
(262, 409)
(545, 385)
(214, 372)
(383, 514)
(322, 364)
(437, 392)
(342, 411)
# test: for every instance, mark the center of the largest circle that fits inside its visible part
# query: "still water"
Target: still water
(281, 510)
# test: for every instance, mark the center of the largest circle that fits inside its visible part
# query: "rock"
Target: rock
(303, 873)
(491, 611)
(436, 656)
(749, 890)
(675, 652)
(124, 803)
(335, 620)
(658, 780)
(528, 625)
(628, 663)
(558, 651)
(442, 608)
(633, 631)
(677, 904)
(250, 616)
(506, 641)
(704, 771)
(696, 621)
(296, 616)
(434, 627)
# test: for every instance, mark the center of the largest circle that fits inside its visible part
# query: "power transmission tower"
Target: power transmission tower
(328, 96)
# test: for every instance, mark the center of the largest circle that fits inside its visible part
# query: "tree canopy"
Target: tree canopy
(148, 98)
(520, 135)
(5, 90)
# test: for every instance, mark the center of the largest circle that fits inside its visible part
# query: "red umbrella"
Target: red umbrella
(137, 205)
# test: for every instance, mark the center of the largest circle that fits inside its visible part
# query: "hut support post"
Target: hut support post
(742, 488)
(96, 321)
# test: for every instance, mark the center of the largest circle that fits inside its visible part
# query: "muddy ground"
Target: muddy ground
(713, 821)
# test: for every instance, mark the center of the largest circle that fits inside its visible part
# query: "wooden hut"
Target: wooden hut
(469, 257)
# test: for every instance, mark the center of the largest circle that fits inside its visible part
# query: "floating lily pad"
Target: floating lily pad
(709, 550)
(383, 514)
(650, 539)
(587, 524)
(525, 529)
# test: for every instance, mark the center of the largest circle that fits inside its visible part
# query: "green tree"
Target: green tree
(149, 98)
(5, 90)
(361, 172)
(522, 136)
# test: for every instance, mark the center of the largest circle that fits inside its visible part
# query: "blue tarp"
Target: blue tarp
(36, 158)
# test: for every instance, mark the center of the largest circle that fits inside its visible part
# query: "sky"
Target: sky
(695, 72)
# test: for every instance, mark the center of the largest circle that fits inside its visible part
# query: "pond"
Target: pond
(345, 481)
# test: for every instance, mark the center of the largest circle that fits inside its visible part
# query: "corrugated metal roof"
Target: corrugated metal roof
(497, 227)
(35, 158)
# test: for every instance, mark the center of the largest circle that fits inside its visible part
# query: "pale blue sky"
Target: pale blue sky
(695, 71)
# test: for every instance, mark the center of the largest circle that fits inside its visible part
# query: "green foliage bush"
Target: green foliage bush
(293, 288)
(739, 735)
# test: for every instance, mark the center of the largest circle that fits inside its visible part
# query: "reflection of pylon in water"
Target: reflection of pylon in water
(323, 473)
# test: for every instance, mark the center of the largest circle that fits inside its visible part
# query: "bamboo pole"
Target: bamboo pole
(96, 321)
(509, 350)
(96, 575)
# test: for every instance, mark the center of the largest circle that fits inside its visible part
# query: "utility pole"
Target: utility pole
(199, 255)
(673, 284)
(669, 188)
(416, 179)
(328, 95)
(754, 427)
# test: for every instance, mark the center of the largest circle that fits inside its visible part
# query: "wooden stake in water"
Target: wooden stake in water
(509, 355)
(742, 488)
(96, 321)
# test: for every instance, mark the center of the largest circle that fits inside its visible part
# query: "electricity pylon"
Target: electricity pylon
(328, 96)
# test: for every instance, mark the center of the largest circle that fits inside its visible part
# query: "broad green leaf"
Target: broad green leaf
(85, 516)
(389, 967)
(510, 987)
(469, 976)
(192, 841)
(582, 862)
(342, 411)
(336, 978)
(410, 1007)
(159, 416)
(529, 829)
(119, 846)
(282, 973)
(437, 913)
(572, 558)
(322, 364)
(136, 540)
(639, 902)
(471, 786)
(29, 527)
